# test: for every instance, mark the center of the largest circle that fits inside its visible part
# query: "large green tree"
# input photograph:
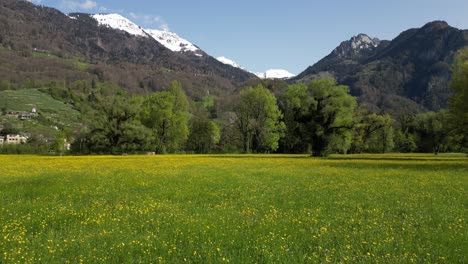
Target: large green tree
(204, 132)
(372, 133)
(296, 103)
(458, 104)
(321, 115)
(166, 114)
(258, 120)
(114, 127)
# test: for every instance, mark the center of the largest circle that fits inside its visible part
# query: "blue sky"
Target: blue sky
(289, 35)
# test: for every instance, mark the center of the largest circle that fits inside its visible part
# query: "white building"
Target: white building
(15, 139)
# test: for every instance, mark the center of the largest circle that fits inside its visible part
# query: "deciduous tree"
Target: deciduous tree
(258, 119)
(324, 115)
(458, 105)
(166, 114)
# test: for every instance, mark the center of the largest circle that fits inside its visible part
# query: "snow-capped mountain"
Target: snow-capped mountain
(270, 74)
(117, 21)
(173, 42)
(229, 62)
(275, 74)
(168, 39)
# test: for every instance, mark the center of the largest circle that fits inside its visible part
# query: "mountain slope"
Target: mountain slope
(173, 42)
(135, 60)
(410, 73)
(117, 21)
(229, 62)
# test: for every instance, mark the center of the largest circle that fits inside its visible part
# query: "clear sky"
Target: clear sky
(261, 35)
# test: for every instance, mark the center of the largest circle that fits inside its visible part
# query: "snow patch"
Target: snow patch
(117, 21)
(173, 42)
(270, 74)
(229, 62)
(168, 39)
(275, 74)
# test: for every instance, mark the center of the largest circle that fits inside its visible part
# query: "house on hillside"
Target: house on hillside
(23, 115)
(2, 140)
(15, 139)
(26, 116)
(13, 114)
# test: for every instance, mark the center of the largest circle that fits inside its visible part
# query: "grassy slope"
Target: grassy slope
(55, 112)
(241, 209)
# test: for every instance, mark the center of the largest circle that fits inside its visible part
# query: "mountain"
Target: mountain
(275, 74)
(168, 39)
(113, 49)
(175, 43)
(408, 74)
(229, 62)
(356, 46)
(116, 21)
(269, 74)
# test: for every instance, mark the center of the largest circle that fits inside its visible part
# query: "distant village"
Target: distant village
(15, 139)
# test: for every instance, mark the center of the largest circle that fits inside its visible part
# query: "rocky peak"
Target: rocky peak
(436, 25)
(356, 45)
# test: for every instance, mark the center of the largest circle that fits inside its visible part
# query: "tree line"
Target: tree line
(320, 118)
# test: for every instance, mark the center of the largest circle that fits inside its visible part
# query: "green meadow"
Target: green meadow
(234, 209)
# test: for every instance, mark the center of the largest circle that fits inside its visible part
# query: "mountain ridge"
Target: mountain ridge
(136, 63)
(269, 74)
(410, 72)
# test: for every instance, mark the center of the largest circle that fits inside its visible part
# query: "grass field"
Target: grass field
(236, 209)
(56, 112)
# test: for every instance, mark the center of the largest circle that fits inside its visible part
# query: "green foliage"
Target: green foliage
(458, 104)
(321, 115)
(115, 128)
(404, 142)
(208, 103)
(9, 130)
(258, 120)
(296, 104)
(58, 145)
(204, 135)
(23, 149)
(372, 133)
(166, 114)
(432, 132)
(51, 112)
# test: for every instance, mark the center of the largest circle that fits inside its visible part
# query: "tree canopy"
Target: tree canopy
(166, 114)
(114, 127)
(320, 114)
(259, 120)
(458, 104)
